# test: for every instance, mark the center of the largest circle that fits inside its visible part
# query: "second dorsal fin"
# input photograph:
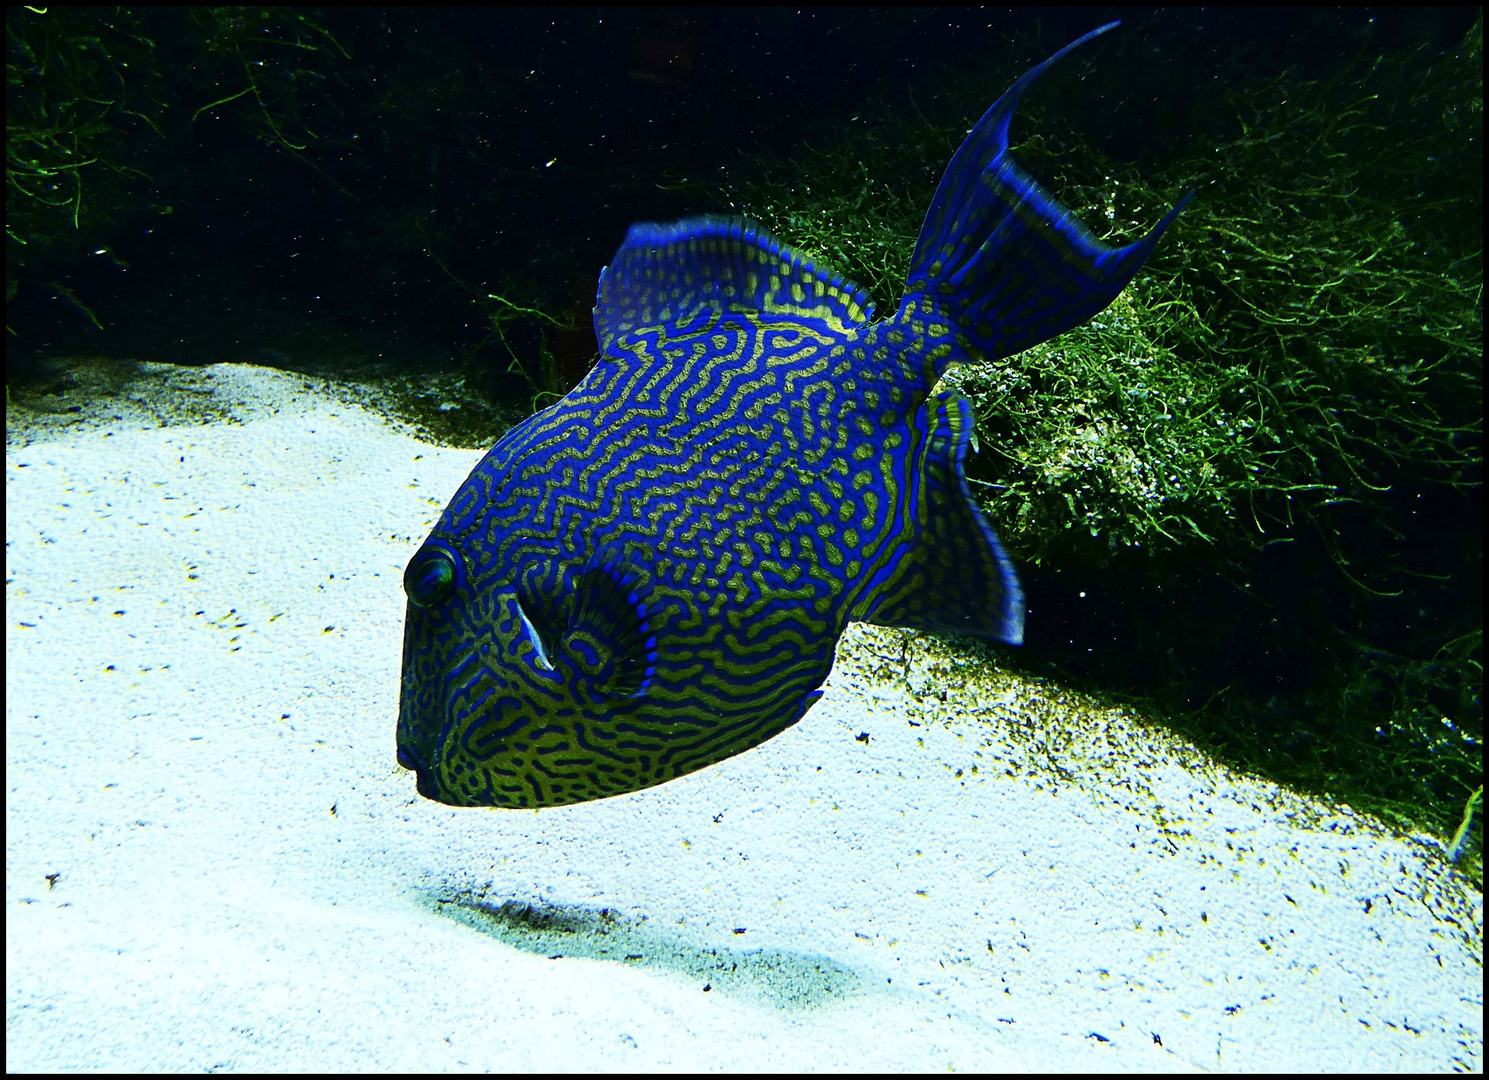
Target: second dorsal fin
(676, 278)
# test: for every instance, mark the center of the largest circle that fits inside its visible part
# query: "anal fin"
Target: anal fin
(954, 577)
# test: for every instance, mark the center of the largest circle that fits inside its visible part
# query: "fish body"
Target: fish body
(652, 574)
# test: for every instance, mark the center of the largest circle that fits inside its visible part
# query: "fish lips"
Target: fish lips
(423, 775)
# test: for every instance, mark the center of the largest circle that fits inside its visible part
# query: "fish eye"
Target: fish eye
(429, 579)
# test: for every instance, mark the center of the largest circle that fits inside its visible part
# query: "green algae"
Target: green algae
(1267, 410)
(97, 101)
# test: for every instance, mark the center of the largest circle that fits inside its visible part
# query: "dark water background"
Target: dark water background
(336, 190)
(432, 138)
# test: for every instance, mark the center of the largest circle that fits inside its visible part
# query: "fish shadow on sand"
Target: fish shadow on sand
(786, 980)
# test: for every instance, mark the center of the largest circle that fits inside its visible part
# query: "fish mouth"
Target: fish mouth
(423, 776)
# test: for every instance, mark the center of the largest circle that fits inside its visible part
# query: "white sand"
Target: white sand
(202, 642)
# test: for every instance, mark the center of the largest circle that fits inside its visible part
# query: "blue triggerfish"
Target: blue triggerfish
(651, 575)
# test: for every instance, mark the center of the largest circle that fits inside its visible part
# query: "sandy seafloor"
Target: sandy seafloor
(214, 862)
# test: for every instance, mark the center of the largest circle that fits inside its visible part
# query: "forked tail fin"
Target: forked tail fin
(1003, 261)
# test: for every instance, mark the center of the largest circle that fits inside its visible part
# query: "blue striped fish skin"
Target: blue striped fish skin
(652, 574)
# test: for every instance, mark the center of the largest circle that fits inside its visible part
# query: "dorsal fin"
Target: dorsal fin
(679, 277)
